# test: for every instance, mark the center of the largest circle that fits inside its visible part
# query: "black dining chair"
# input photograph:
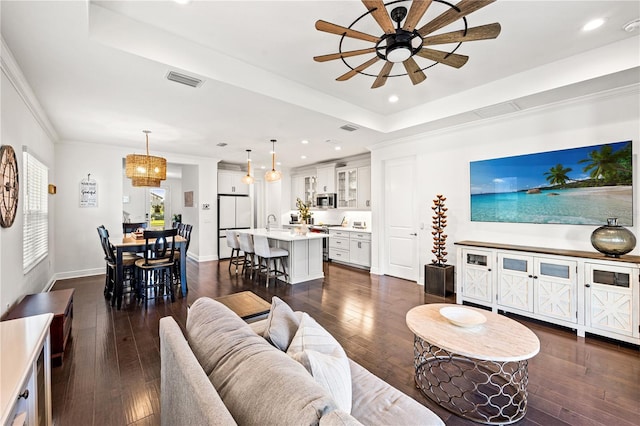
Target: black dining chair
(113, 290)
(184, 230)
(157, 268)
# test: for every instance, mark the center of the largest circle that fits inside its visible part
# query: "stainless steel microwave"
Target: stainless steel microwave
(326, 201)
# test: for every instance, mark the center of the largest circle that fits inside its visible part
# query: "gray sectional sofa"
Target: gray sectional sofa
(226, 372)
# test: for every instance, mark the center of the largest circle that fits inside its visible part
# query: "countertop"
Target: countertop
(284, 235)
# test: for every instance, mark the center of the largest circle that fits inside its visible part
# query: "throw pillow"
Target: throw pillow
(321, 354)
(282, 324)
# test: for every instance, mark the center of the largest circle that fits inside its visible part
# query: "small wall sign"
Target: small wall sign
(88, 192)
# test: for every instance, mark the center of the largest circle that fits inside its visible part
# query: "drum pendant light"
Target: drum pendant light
(248, 179)
(273, 175)
(146, 170)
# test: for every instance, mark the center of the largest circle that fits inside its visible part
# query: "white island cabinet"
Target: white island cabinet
(25, 367)
(304, 262)
(585, 291)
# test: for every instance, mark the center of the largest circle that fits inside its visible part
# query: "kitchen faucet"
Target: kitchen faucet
(269, 220)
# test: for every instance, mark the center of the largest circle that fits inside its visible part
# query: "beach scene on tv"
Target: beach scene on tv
(578, 186)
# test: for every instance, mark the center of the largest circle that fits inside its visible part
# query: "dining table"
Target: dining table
(130, 244)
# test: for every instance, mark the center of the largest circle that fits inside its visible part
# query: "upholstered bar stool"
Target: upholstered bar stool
(269, 255)
(234, 244)
(246, 245)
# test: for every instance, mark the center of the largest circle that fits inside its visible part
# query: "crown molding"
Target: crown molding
(13, 72)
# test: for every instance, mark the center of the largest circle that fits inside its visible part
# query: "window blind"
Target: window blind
(35, 231)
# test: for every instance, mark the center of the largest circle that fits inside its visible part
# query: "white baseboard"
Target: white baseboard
(78, 274)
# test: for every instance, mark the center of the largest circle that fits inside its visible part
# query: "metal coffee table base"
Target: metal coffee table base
(489, 392)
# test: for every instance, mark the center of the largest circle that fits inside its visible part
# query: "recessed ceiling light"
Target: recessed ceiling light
(632, 26)
(337, 148)
(262, 167)
(278, 163)
(393, 99)
(304, 157)
(592, 25)
(305, 142)
(182, 1)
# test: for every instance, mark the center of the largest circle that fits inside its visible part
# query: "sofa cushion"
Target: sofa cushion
(317, 350)
(377, 402)
(339, 418)
(282, 324)
(258, 383)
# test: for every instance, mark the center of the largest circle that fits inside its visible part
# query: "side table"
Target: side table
(248, 305)
(479, 372)
(60, 304)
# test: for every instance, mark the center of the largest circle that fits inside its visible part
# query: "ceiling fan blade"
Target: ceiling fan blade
(328, 27)
(416, 12)
(380, 14)
(382, 76)
(452, 15)
(482, 32)
(451, 59)
(413, 71)
(350, 53)
(357, 69)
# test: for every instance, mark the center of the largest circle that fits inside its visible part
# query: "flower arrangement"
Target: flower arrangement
(303, 209)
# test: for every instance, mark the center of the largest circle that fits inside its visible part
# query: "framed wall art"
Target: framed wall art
(577, 186)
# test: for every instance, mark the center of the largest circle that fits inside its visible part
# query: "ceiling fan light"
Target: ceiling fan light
(398, 52)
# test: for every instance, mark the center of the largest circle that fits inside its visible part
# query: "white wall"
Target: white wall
(443, 168)
(76, 239)
(21, 125)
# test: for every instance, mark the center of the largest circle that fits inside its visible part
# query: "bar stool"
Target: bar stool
(234, 244)
(267, 253)
(246, 245)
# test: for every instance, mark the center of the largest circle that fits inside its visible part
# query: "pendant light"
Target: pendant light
(248, 179)
(273, 175)
(146, 170)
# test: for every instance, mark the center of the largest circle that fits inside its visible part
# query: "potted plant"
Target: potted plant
(438, 276)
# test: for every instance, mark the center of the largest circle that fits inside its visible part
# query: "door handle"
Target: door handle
(415, 234)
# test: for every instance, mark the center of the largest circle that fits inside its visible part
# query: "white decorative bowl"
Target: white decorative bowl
(463, 317)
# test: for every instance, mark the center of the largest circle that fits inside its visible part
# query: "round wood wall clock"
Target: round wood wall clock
(8, 185)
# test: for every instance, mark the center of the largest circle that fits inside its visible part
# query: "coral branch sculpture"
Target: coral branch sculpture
(439, 237)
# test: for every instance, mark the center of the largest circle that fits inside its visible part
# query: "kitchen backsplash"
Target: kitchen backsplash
(336, 217)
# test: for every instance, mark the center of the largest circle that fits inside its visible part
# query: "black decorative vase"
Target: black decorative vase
(612, 239)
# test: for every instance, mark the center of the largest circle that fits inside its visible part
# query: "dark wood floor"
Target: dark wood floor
(111, 372)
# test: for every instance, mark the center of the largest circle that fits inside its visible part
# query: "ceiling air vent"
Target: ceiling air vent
(221, 144)
(349, 127)
(184, 79)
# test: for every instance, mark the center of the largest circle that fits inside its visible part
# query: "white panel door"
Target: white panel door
(401, 243)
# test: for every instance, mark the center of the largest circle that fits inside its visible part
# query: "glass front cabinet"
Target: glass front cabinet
(584, 291)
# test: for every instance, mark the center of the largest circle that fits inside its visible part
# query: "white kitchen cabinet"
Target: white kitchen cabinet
(609, 299)
(585, 291)
(309, 191)
(297, 189)
(230, 182)
(350, 246)
(364, 187)
(25, 388)
(476, 276)
(326, 179)
(303, 187)
(360, 249)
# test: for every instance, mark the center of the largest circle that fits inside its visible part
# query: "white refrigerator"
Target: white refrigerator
(234, 212)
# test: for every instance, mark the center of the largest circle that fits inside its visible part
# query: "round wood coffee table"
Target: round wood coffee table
(477, 372)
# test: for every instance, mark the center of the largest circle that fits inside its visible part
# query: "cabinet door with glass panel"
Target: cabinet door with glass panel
(555, 288)
(348, 188)
(515, 281)
(609, 300)
(477, 275)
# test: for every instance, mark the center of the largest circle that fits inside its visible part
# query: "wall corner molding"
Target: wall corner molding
(13, 72)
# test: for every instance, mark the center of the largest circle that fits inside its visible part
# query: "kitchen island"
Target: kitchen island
(305, 252)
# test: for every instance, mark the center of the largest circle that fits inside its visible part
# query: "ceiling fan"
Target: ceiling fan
(401, 41)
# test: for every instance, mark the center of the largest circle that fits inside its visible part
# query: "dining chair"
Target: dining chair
(234, 244)
(269, 255)
(157, 268)
(128, 264)
(184, 230)
(246, 245)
